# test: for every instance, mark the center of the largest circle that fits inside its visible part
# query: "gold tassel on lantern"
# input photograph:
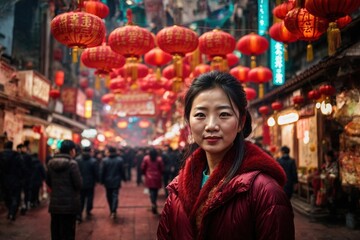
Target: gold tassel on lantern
(177, 61)
(309, 53)
(158, 74)
(97, 82)
(107, 81)
(333, 38)
(195, 59)
(261, 90)
(74, 55)
(253, 61)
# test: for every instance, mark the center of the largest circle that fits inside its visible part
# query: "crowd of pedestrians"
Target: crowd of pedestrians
(69, 176)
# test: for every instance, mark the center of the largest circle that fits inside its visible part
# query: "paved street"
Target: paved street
(136, 222)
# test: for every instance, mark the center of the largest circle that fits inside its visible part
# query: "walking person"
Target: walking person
(64, 179)
(38, 175)
(112, 173)
(289, 166)
(153, 168)
(90, 175)
(26, 183)
(12, 169)
(228, 188)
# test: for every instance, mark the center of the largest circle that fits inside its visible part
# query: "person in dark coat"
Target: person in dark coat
(138, 161)
(227, 188)
(38, 175)
(90, 175)
(112, 173)
(64, 179)
(153, 168)
(289, 166)
(26, 183)
(12, 169)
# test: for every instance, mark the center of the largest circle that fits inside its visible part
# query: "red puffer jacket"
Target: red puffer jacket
(152, 171)
(252, 205)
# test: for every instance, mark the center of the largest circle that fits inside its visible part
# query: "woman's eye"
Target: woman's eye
(199, 115)
(225, 114)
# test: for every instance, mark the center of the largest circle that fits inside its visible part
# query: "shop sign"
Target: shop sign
(58, 132)
(80, 103)
(73, 100)
(263, 16)
(68, 98)
(277, 62)
(7, 74)
(13, 124)
(307, 111)
(34, 86)
(136, 104)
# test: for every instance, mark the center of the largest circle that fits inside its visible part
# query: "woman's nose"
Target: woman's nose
(212, 125)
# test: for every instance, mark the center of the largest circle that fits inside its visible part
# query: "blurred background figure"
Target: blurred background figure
(153, 167)
(90, 175)
(289, 166)
(38, 176)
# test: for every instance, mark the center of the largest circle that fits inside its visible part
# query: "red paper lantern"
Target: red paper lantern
(343, 21)
(279, 33)
(264, 110)
(216, 43)
(58, 54)
(131, 41)
(102, 58)
(277, 106)
(260, 75)
(240, 73)
(157, 57)
(252, 44)
(97, 8)
(118, 85)
(177, 40)
(331, 9)
(314, 94)
(141, 70)
(200, 69)
(144, 123)
(54, 93)
(281, 10)
(151, 83)
(83, 82)
(305, 26)
(298, 100)
(250, 93)
(59, 78)
(78, 30)
(89, 92)
(108, 98)
(327, 90)
(170, 73)
(232, 59)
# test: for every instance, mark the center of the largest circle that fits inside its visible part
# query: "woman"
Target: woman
(228, 188)
(153, 167)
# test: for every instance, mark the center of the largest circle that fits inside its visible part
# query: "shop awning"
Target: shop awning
(72, 123)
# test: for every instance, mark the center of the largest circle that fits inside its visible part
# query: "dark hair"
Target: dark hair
(8, 145)
(19, 146)
(86, 149)
(112, 149)
(237, 97)
(285, 150)
(26, 143)
(153, 153)
(331, 154)
(67, 146)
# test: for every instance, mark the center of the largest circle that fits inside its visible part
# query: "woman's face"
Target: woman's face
(213, 123)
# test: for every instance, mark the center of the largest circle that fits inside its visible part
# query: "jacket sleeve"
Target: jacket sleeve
(163, 231)
(294, 172)
(144, 165)
(75, 175)
(274, 217)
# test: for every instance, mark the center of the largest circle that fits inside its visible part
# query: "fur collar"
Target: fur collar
(189, 181)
